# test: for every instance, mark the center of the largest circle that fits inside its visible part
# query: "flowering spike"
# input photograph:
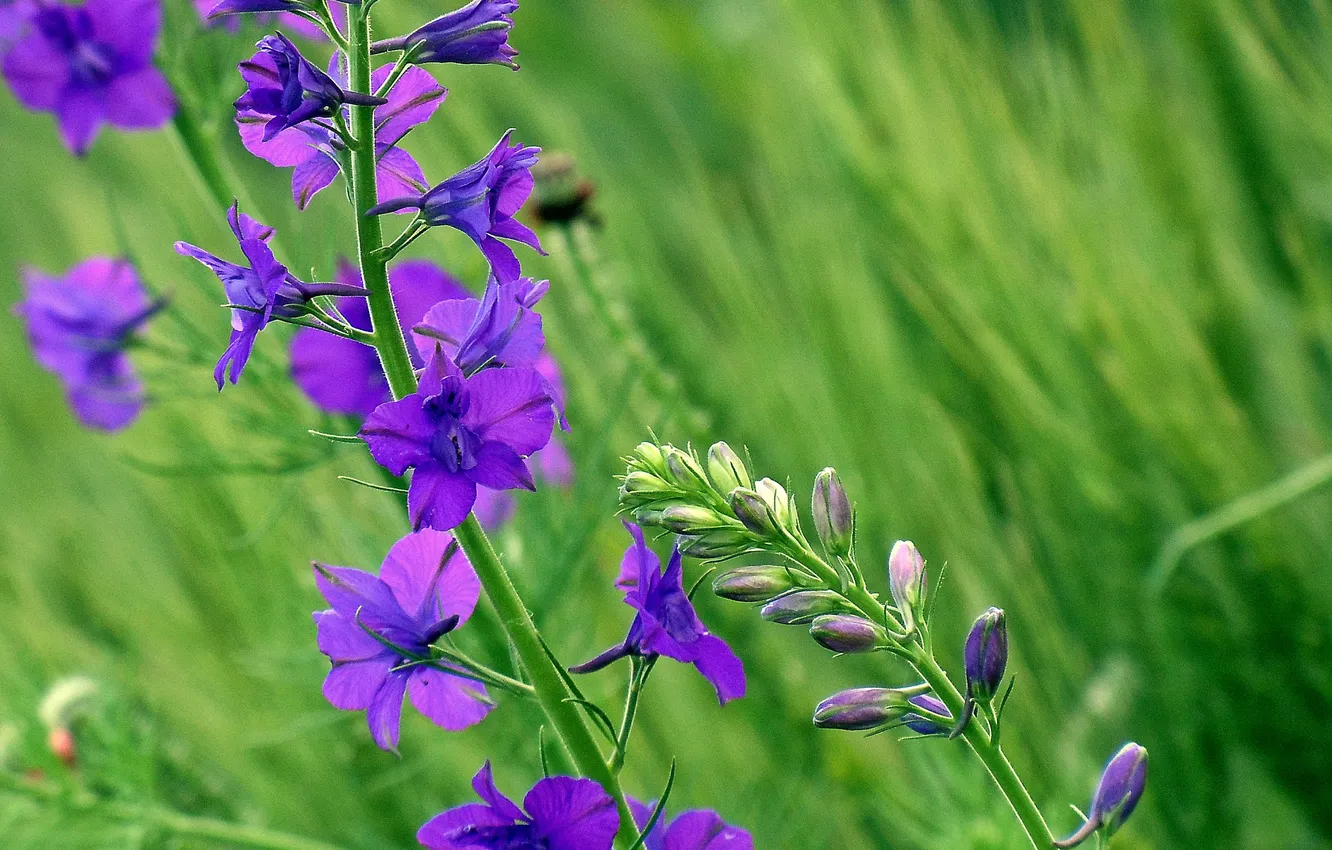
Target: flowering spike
(833, 517)
(1121, 786)
(801, 607)
(906, 579)
(726, 469)
(862, 709)
(986, 655)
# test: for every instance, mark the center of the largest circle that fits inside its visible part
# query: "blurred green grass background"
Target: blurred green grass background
(1042, 280)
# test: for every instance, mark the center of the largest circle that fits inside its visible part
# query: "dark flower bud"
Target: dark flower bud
(562, 195)
(906, 580)
(726, 469)
(753, 584)
(691, 519)
(861, 709)
(684, 469)
(833, 519)
(476, 34)
(847, 633)
(922, 725)
(752, 511)
(802, 606)
(986, 655)
(1117, 794)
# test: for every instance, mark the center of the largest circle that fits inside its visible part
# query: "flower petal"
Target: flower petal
(339, 375)
(704, 830)
(430, 577)
(80, 113)
(413, 100)
(510, 406)
(384, 716)
(720, 666)
(438, 832)
(311, 177)
(500, 468)
(438, 498)
(450, 702)
(572, 814)
(354, 686)
(341, 639)
(399, 434)
(484, 786)
(140, 101)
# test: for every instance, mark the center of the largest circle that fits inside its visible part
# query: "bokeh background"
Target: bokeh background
(1045, 281)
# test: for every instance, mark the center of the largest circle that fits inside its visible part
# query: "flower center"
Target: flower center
(454, 445)
(92, 64)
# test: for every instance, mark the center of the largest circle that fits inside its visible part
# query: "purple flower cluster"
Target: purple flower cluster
(80, 326)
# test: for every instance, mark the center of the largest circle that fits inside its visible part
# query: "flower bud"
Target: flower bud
(922, 725)
(649, 456)
(833, 519)
(986, 655)
(861, 709)
(716, 543)
(753, 584)
(802, 606)
(752, 511)
(774, 496)
(639, 481)
(1117, 794)
(684, 469)
(690, 519)
(847, 633)
(726, 469)
(906, 580)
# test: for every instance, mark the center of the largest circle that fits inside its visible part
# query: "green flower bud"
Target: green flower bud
(802, 606)
(775, 497)
(754, 584)
(726, 469)
(684, 470)
(833, 518)
(691, 519)
(906, 580)
(753, 512)
(649, 456)
(639, 481)
(718, 543)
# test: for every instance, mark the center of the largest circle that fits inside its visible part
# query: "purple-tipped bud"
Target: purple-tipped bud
(986, 655)
(796, 609)
(833, 519)
(906, 579)
(861, 709)
(752, 511)
(847, 633)
(691, 519)
(754, 584)
(477, 34)
(685, 469)
(1117, 794)
(726, 469)
(922, 725)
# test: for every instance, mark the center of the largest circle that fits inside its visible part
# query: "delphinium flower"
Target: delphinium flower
(501, 329)
(261, 291)
(481, 201)
(289, 22)
(457, 432)
(289, 90)
(80, 326)
(697, 829)
(379, 632)
(476, 34)
(666, 623)
(344, 376)
(90, 65)
(559, 813)
(316, 153)
(1117, 795)
(15, 18)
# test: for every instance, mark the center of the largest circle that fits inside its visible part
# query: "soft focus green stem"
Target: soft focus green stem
(389, 340)
(236, 835)
(200, 148)
(547, 678)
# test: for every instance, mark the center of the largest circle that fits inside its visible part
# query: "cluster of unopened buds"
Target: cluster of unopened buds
(720, 512)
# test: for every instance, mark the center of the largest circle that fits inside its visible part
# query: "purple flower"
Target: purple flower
(922, 725)
(862, 709)
(344, 376)
(458, 432)
(15, 16)
(289, 22)
(476, 34)
(90, 65)
(501, 329)
(697, 829)
(986, 655)
(481, 201)
(666, 623)
(1117, 795)
(379, 631)
(562, 813)
(288, 89)
(263, 290)
(315, 152)
(79, 326)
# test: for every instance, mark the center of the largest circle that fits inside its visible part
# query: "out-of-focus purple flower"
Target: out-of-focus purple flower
(697, 829)
(289, 90)
(15, 16)
(476, 34)
(561, 813)
(288, 22)
(344, 376)
(1117, 795)
(986, 655)
(90, 65)
(379, 631)
(79, 326)
(241, 7)
(501, 329)
(666, 623)
(262, 290)
(457, 432)
(922, 725)
(481, 201)
(314, 151)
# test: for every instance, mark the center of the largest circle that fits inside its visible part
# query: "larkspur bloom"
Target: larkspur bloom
(315, 152)
(481, 201)
(697, 829)
(80, 326)
(289, 90)
(666, 623)
(559, 813)
(90, 65)
(1117, 795)
(343, 376)
(289, 22)
(986, 655)
(15, 18)
(501, 329)
(457, 432)
(262, 291)
(476, 34)
(380, 628)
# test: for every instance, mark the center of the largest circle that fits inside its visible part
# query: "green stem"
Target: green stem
(547, 678)
(389, 340)
(231, 833)
(202, 152)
